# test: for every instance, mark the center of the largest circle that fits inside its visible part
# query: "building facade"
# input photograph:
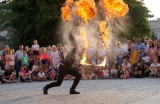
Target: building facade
(155, 27)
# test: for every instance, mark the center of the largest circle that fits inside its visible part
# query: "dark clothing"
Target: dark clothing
(62, 72)
(17, 68)
(65, 69)
(145, 70)
(35, 52)
(8, 73)
(35, 73)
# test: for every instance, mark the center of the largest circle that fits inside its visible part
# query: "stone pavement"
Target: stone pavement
(119, 91)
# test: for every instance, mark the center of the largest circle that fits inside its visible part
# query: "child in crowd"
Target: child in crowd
(35, 74)
(46, 71)
(146, 59)
(106, 72)
(113, 72)
(155, 67)
(134, 56)
(126, 66)
(126, 74)
(25, 74)
(136, 71)
(36, 64)
(100, 73)
(41, 75)
(52, 75)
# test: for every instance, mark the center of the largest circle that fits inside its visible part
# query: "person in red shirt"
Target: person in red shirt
(44, 58)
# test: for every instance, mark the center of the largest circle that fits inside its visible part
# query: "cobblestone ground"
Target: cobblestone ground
(130, 91)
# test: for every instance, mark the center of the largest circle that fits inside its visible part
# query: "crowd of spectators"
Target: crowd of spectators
(123, 60)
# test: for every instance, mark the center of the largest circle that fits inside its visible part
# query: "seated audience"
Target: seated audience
(154, 68)
(52, 75)
(41, 75)
(145, 71)
(8, 76)
(137, 72)
(25, 74)
(106, 73)
(35, 74)
(113, 72)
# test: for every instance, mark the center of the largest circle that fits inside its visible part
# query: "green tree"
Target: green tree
(139, 15)
(33, 19)
(38, 19)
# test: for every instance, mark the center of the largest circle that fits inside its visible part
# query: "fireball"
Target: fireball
(86, 9)
(114, 8)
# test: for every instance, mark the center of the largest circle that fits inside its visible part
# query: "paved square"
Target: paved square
(112, 91)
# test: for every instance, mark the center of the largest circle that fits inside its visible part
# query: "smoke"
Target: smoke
(71, 32)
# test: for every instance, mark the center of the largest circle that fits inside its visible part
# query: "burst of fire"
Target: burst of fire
(84, 58)
(69, 2)
(114, 8)
(104, 31)
(83, 35)
(86, 9)
(66, 13)
(66, 10)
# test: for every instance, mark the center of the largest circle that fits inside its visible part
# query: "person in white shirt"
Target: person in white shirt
(18, 56)
(146, 59)
(155, 66)
(55, 58)
(126, 65)
(35, 48)
(120, 53)
(41, 75)
(106, 72)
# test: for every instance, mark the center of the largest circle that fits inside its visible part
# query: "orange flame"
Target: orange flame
(66, 10)
(114, 8)
(84, 59)
(66, 13)
(104, 31)
(86, 9)
(69, 2)
(83, 35)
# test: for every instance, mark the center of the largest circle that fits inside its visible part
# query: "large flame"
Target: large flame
(104, 31)
(114, 8)
(86, 9)
(66, 10)
(69, 2)
(84, 38)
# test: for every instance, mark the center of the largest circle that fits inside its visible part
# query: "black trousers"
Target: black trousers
(62, 72)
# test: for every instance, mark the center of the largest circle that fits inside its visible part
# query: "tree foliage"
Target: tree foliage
(139, 15)
(33, 19)
(38, 19)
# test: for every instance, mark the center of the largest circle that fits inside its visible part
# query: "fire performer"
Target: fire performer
(66, 68)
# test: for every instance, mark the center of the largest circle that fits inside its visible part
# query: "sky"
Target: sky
(154, 7)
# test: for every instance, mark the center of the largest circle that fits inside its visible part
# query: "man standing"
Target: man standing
(140, 46)
(18, 56)
(66, 68)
